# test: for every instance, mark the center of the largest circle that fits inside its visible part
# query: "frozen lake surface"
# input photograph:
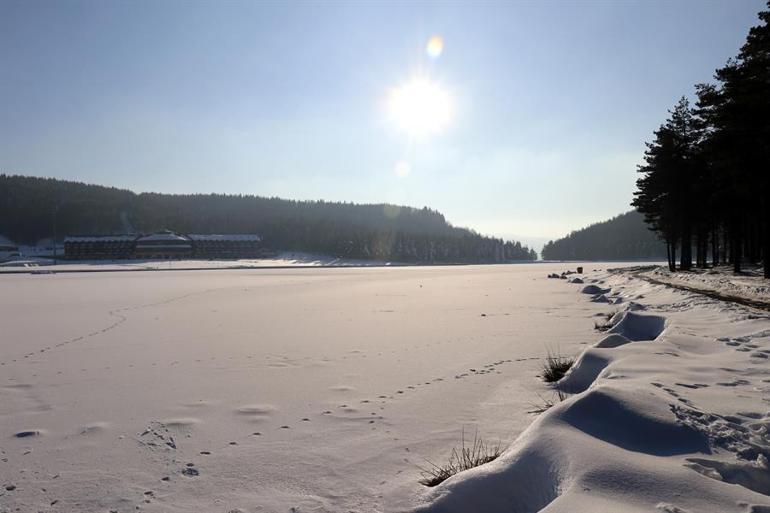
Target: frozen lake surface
(266, 390)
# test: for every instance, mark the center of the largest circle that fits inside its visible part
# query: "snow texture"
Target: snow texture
(325, 390)
(669, 413)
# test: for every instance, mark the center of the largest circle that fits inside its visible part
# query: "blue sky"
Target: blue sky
(551, 101)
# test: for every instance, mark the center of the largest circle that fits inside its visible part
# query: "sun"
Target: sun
(420, 107)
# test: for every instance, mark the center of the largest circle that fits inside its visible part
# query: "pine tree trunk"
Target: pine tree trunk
(757, 239)
(724, 258)
(702, 248)
(672, 262)
(750, 250)
(735, 252)
(698, 249)
(686, 253)
(766, 236)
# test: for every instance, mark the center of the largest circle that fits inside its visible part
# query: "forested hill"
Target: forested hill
(625, 237)
(31, 207)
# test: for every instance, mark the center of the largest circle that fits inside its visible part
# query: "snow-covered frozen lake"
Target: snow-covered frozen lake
(326, 389)
(318, 389)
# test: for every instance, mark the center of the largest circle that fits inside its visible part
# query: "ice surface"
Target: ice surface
(323, 390)
(326, 390)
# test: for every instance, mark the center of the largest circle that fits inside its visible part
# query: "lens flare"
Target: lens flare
(391, 211)
(403, 169)
(434, 47)
(420, 107)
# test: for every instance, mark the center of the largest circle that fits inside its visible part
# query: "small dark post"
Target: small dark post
(55, 208)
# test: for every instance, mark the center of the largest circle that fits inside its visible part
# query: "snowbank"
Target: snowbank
(594, 290)
(749, 286)
(585, 370)
(610, 341)
(636, 326)
(654, 423)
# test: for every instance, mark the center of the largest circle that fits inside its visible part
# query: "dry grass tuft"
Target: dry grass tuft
(555, 367)
(546, 404)
(607, 324)
(467, 457)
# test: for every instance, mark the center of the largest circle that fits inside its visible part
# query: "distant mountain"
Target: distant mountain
(624, 237)
(35, 208)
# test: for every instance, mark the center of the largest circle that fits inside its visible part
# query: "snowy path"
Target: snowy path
(749, 289)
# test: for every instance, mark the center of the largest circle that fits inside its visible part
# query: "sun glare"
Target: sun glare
(420, 107)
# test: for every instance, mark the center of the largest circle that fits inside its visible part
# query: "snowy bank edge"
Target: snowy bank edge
(550, 466)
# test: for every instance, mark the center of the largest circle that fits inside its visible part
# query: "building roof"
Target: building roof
(238, 237)
(163, 237)
(100, 238)
(183, 246)
(166, 237)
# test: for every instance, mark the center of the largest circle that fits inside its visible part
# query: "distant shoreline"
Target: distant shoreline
(108, 266)
(46, 269)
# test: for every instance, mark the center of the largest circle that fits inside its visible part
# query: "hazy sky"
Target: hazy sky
(551, 102)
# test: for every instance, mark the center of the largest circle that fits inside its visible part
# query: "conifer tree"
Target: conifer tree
(706, 175)
(665, 191)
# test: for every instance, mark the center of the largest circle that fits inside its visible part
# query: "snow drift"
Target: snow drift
(637, 435)
(613, 340)
(585, 370)
(594, 290)
(637, 327)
